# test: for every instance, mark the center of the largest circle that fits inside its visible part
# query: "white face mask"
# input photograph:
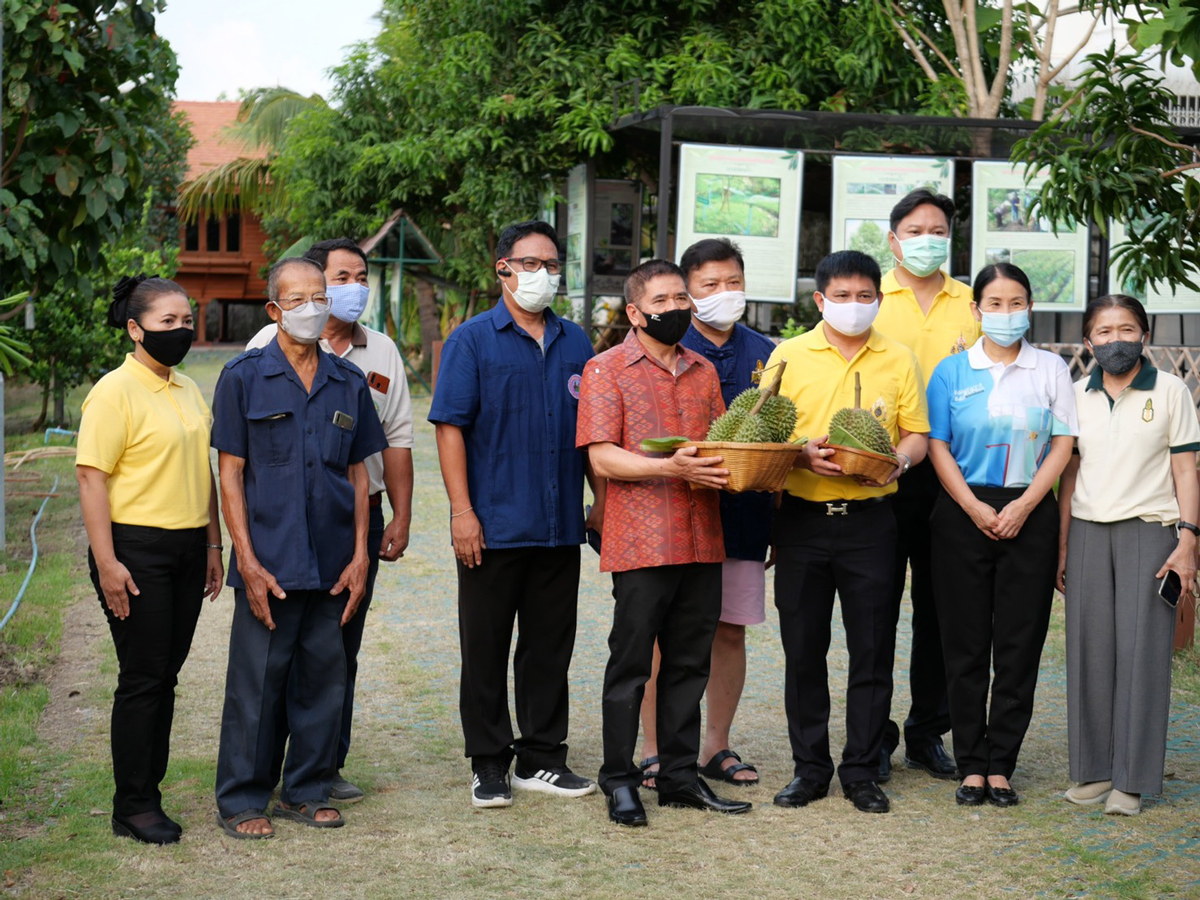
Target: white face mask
(305, 323)
(850, 318)
(535, 290)
(721, 310)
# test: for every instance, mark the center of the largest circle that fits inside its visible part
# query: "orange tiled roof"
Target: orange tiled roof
(212, 148)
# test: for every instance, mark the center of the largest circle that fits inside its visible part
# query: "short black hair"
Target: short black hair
(514, 233)
(1114, 301)
(847, 264)
(635, 281)
(710, 250)
(319, 252)
(282, 266)
(921, 197)
(988, 274)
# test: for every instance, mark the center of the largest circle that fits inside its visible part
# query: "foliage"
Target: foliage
(1175, 31)
(790, 329)
(1112, 154)
(12, 348)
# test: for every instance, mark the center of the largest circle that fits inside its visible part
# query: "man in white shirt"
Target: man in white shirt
(390, 471)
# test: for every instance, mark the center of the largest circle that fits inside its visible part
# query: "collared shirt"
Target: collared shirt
(998, 419)
(379, 359)
(516, 405)
(625, 398)
(1125, 446)
(151, 436)
(949, 327)
(745, 517)
(820, 381)
(299, 500)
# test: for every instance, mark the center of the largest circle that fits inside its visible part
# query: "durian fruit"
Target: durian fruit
(857, 427)
(752, 430)
(772, 424)
(779, 414)
(727, 425)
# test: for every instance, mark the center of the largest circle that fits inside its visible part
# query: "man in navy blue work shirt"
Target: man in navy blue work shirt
(716, 282)
(292, 426)
(505, 407)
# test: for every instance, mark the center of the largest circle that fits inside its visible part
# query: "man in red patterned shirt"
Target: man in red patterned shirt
(662, 539)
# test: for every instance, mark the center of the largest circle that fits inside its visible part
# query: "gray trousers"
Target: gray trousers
(1119, 640)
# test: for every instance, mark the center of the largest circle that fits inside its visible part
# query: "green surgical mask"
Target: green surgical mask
(924, 254)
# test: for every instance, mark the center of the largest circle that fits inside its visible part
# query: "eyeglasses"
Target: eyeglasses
(290, 303)
(532, 263)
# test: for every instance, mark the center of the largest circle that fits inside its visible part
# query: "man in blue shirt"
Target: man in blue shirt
(292, 427)
(716, 282)
(505, 408)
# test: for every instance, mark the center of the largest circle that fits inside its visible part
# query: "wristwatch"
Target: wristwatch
(1188, 526)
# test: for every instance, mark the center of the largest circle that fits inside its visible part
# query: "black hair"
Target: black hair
(635, 281)
(133, 295)
(920, 197)
(988, 274)
(710, 250)
(319, 252)
(514, 233)
(282, 266)
(845, 264)
(1114, 301)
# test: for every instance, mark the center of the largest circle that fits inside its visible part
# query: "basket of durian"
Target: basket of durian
(860, 443)
(753, 439)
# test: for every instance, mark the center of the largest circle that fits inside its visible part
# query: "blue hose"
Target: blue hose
(33, 562)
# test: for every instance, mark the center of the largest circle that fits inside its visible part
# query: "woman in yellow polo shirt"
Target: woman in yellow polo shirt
(146, 489)
(1129, 503)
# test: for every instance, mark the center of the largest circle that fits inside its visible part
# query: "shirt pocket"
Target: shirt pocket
(504, 389)
(273, 436)
(335, 447)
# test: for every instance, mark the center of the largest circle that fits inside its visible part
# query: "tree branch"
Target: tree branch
(1180, 170)
(1195, 151)
(1083, 43)
(915, 49)
(996, 94)
(897, 13)
(16, 148)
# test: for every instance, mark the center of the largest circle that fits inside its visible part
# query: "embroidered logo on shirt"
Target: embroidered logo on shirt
(1148, 411)
(757, 374)
(573, 385)
(959, 346)
(962, 394)
(879, 409)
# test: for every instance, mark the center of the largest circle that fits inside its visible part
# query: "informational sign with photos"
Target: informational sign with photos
(616, 233)
(750, 195)
(578, 238)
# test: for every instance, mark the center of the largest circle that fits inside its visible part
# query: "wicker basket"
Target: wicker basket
(853, 461)
(752, 467)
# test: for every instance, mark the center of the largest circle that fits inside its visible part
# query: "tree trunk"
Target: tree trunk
(60, 405)
(431, 323)
(40, 422)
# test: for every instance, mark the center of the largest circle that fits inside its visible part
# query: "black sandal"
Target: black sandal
(712, 769)
(643, 766)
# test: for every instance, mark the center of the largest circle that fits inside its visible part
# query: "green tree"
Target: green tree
(87, 129)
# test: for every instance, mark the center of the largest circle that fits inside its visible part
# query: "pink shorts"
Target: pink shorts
(743, 592)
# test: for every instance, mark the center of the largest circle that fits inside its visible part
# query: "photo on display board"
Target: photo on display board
(574, 275)
(1051, 273)
(574, 246)
(737, 204)
(612, 262)
(872, 188)
(621, 225)
(1009, 210)
(870, 236)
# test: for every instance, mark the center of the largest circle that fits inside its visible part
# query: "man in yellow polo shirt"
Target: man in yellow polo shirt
(837, 534)
(930, 313)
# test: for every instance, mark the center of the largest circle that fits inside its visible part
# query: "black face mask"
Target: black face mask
(1117, 357)
(668, 327)
(168, 348)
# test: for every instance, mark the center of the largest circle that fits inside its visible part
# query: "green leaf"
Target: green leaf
(66, 179)
(73, 57)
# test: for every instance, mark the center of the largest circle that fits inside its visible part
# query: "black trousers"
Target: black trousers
(818, 555)
(152, 643)
(678, 606)
(301, 664)
(929, 715)
(993, 601)
(538, 588)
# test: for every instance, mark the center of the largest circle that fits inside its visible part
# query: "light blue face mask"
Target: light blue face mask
(1006, 329)
(347, 301)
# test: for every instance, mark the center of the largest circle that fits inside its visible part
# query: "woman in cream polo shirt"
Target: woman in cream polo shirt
(1128, 504)
(146, 489)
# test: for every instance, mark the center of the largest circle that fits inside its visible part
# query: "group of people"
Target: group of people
(313, 424)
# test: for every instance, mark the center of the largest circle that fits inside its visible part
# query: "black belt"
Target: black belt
(375, 499)
(835, 507)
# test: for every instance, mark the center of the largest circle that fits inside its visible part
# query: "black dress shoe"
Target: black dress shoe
(970, 795)
(801, 792)
(933, 758)
(159, 832)
(1002, 796)
(625, 807)
(866, 796)
(885, 766)
(699, 795)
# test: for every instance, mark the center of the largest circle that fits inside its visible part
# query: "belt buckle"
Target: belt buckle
(831, 510)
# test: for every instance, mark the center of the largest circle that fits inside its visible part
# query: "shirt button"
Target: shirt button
(310, 431)
(310, 464)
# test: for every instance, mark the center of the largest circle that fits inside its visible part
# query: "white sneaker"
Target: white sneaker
(489, 786)
(1089, 793)
(559, 780)
(1123, 804)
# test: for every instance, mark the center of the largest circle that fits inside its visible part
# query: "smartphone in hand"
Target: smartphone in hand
(1170, 588)
(591, 534)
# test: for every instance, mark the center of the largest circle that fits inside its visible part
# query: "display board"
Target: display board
(578, 237)
(750, 195)
(1002, 230)
(1156, 297)
(616, 233)
(866, 188)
